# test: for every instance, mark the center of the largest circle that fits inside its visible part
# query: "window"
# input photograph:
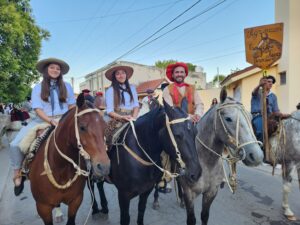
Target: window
(282, 78)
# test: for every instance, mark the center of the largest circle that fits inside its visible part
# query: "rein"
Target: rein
(233, 140)
(81, 152)
(152, 162)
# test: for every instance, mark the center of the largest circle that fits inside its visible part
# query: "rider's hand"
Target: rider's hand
(195, 118)
(127, 118)
(53, 122)
(263, 81)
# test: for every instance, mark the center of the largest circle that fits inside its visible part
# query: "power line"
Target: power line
(137, 32)
(160, 36)
(113, 14)
(156, 51)
(219, 56)
(128, 52)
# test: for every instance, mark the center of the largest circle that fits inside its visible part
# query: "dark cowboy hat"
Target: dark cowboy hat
(128, 70)
(42, 64)
(171, 67)
(86, 91)
(149, 91)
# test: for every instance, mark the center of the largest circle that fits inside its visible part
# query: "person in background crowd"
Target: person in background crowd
(214, 102)
(87, 96)
(99, 101)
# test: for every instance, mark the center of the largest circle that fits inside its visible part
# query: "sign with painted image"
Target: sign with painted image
(263, 44)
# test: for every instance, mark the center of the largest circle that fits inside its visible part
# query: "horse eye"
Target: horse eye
(82, 128)
(228, 119)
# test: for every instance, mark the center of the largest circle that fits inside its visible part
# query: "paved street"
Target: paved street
(257, 201)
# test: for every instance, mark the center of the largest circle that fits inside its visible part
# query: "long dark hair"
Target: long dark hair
(116, 86)
(45, 92)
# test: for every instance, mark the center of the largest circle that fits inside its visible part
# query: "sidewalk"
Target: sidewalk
(4, 170)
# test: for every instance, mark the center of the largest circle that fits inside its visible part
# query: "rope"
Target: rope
(235, 141)
(82, 152)
(165, 172)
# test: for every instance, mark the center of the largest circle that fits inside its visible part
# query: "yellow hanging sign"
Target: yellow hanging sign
(263, 44)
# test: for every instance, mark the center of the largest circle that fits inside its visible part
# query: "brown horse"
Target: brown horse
(57, 173)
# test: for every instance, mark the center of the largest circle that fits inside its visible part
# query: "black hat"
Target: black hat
(271, 77)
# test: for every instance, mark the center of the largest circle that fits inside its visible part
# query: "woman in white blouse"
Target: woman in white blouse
(121, 97)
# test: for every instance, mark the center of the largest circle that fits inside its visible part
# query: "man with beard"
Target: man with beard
(181, 94)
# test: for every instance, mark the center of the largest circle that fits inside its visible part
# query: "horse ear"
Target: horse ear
(223, 94)
(80, 100)
(168, 108)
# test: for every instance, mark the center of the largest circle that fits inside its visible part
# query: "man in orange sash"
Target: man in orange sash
(181, 94)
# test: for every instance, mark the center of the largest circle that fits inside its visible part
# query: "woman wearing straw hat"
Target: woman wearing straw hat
(50, 99)
(121, 98)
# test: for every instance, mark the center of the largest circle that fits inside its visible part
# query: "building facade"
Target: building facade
(286, 70)
(96, 81)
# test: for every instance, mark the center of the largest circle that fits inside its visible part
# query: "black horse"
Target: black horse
(134, 174)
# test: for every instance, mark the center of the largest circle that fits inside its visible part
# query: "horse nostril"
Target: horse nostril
(252, 156)
(99, 167)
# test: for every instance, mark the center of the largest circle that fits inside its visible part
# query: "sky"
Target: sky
(89, 34)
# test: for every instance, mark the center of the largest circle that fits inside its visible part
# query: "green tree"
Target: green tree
(20, 45)
(218, 79)
(164, 63)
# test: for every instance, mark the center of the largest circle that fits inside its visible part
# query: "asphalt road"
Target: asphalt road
(256, 202)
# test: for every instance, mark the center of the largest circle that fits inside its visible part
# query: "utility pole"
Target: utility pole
(72, 82)
(218, 77)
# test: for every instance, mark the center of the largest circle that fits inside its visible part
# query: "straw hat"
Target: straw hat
(42, 64)
(128, 70)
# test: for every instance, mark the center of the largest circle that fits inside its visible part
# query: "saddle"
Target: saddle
(42, 135)
(273, 122)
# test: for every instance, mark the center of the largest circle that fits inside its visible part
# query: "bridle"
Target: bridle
(151, 162)
(235, 151)
(82, 152)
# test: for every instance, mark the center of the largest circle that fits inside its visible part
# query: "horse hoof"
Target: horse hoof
(291, 218)
(103, 216)
(59, 219)
(155, 205)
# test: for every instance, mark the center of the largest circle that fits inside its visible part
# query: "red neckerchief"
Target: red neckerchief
(176, 92)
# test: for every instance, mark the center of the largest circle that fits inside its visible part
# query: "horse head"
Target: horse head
(89, 129)
(233, 126)
(182, 133)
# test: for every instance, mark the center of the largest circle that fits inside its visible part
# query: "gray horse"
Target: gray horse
(225, 125)
(285, 145)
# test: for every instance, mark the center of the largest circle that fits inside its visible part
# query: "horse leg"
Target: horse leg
(287, 183)
(45, 212)
(142, 206)
(72, 209)
(189, 203)
(180, 194)
(103, 200)
(155, 204)
(207, 200)
(124, 203)
(92, 192)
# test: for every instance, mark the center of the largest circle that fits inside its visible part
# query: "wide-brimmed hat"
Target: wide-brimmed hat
(86, 91)
(42, 64)
(171, 67)
(128, 70)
